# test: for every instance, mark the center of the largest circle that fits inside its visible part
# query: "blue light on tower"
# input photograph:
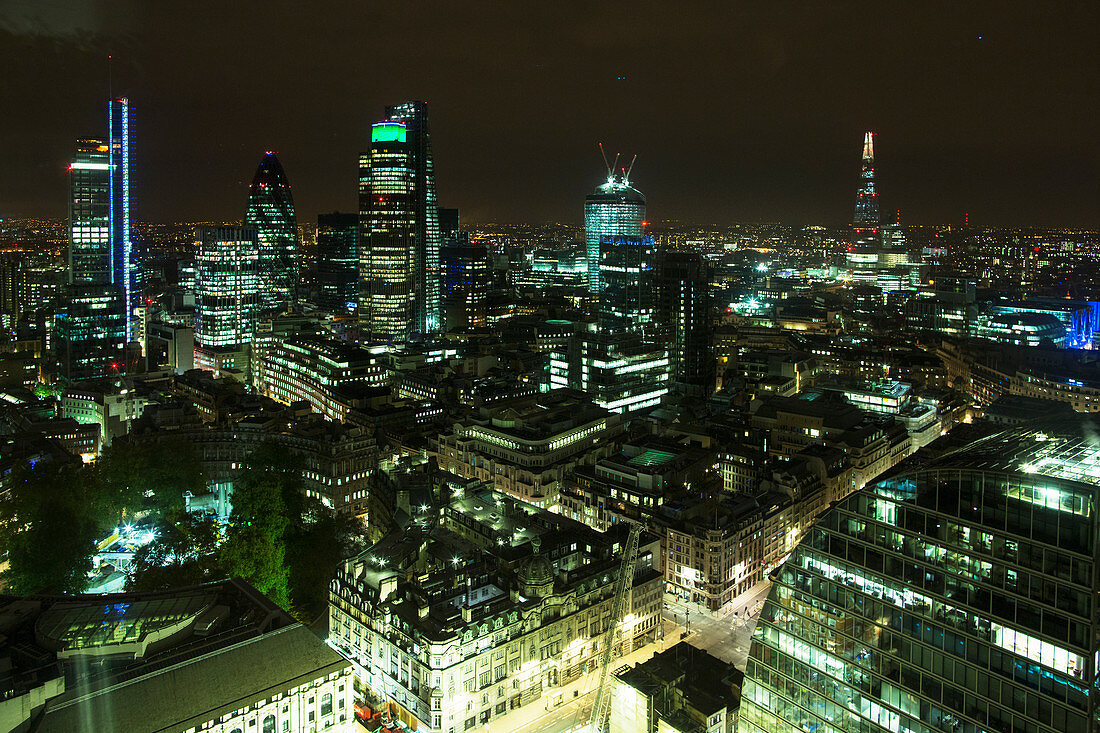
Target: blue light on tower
(119, 162)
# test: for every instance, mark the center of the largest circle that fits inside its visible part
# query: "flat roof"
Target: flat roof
(651, 457)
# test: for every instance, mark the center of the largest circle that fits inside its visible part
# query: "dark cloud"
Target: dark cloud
(737, 111)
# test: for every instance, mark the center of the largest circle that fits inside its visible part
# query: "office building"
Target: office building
(619, 371)
(271, 214)
(328, 373)
(955, 595)
(90, 332)
(94, 323)
(466, 280)
(214, 657)
(227, 297)
(338, 262)
(399, 242)
(484, 606)
(90, 254)
(684, 320)
(628, 284)
(527, 448)
(614, 209)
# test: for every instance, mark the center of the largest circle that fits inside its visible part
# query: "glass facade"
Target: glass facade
(465, 283)
(338, 261)
(271, 212)
(227, 286)
(90, 334)
(956, 596)
(619, 371)
(614, 209)
(399, 260)
(865, 222)
(628, 297)
(90, 214)
(103, 286)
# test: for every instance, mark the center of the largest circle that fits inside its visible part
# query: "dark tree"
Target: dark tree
(47, 530)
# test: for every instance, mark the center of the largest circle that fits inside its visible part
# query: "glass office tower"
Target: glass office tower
(614, 209)
(90, 252)
(92, 326)
(959, 596)
(399, 260)
(628, 294)
(227, 286)
(271, 212)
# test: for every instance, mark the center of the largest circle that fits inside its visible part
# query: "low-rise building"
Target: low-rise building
(320, 370)
(461, 620)
(218, 657)
(680, 690)
(526, 449)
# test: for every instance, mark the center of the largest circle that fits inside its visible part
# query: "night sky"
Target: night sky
(738, 111)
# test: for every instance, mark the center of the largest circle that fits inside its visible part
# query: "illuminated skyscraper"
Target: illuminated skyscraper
(624, 364)
(271, 212)
(628, 284)
(614, 209)
(399, 260)
(338, 261)
(227, 296)
(466, 278)
(865, 222)
(958, 595)
(90, 251)
(94, 323)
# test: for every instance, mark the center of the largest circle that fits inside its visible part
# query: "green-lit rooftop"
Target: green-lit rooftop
(651, 457)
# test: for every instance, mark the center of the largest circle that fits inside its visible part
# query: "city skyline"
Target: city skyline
(770, 139)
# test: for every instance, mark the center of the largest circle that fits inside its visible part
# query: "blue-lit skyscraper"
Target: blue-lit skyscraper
(271, 212)
(95, 321)
(124, 270)
(613, 209)
(399, 260)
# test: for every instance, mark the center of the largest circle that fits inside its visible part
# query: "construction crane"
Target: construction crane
(601, 709)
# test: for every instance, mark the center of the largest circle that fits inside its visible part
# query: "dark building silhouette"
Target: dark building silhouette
(466, 280)
(338, 261)
(684, 316)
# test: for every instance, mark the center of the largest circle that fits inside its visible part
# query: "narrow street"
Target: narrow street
(726, 635)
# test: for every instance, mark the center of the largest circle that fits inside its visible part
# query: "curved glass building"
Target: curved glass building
(615, 209)
(957, 596)
(271, 212)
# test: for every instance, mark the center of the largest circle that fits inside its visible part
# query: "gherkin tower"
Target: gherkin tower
(271, 212)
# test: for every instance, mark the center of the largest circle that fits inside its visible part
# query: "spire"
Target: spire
(866, 212)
